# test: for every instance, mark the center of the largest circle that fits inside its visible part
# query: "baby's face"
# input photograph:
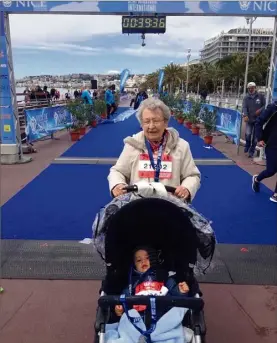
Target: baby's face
(142, 262)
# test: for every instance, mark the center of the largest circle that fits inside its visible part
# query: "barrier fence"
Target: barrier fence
(228, 121)
(45, 121)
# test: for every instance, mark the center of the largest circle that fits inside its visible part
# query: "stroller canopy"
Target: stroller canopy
(151, 222)
(165, 224)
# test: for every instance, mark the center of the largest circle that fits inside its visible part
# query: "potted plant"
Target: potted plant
(179, 115)
(79, 112)
(194, 124)
(99, 108)
(209, 119)
(74, 132)
(194, 113)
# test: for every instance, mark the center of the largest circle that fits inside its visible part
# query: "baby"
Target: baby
(146, 280)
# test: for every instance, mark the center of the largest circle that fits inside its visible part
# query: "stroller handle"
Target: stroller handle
(192, 303)
(134, 188)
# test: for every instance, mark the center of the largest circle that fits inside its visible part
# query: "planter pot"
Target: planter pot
(75, 136)
(94, 123)
(188, 125)
(82, 131)
(195, 130)
(208, 140)
(180, 120)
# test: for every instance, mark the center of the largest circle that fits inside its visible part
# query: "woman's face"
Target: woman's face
(153, 124)
(142, 262)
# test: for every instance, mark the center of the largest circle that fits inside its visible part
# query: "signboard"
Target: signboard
(143, 24)
(42, 122)
(228, 121)
(7, 124)
(209, 8)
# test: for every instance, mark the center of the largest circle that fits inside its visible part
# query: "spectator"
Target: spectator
(86, 96)
(253, 105)
(110, 101)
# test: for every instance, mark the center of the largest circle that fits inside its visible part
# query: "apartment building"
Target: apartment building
(235, 41)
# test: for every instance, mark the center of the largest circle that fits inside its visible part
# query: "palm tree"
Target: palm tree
(173, 76)
(235, 70)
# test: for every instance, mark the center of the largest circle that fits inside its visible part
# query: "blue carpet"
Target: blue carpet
(60, 204)
(107, 140)
(196, 143)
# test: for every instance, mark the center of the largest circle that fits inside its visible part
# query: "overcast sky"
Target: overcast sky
(61, 44)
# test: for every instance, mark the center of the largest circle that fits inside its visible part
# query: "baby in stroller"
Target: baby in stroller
(147, 277)
(168, 233)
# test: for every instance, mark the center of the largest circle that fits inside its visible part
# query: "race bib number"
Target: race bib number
(146, 170)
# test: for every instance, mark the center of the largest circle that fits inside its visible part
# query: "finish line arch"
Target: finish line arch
(11, 151)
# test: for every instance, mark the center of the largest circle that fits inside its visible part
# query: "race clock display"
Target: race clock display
(143, 24)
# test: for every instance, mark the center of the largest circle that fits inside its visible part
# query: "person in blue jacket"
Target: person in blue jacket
(266, 133)
(86, 96)
(110, 101)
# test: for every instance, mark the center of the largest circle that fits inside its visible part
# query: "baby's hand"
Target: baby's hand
(183, 287)
(118, 310)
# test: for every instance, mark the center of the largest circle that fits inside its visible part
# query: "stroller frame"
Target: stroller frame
(120, 235)
(194, 319)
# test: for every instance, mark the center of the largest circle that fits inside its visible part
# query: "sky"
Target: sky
(65, 44)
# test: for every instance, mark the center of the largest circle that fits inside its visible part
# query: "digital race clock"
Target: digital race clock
(147, 24)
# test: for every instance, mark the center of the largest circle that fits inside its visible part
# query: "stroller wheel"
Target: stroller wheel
(198, 339)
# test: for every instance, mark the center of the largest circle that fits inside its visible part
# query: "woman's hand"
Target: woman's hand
(119, 310)
(182, 192)
(183, 287)
(118, 190)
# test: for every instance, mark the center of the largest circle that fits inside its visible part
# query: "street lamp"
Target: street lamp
(188, 58)
(249, 22)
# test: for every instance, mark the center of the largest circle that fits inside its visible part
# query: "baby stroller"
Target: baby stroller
(184, 238)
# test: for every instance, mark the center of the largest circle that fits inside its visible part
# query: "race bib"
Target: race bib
(146, 170)
(148, 288)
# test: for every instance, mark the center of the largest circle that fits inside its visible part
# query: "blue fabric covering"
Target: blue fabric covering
(107, 140)
(168, 330)
(62, 201)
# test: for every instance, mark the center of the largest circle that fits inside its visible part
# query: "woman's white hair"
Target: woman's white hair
(153, 104)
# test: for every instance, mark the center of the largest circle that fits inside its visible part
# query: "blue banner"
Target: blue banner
(123, 78)
(160, 80)
(42, 122)
(7, 122)
(228, 121)
(232, 8)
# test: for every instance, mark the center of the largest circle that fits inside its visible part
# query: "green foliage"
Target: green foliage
(194, 113)
(209, 119)
(80, 112)
(99, 107)
(209, 76)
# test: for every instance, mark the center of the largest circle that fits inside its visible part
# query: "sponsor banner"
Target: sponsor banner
(7, 122)
(43, 122)
(123, 78)
(160, 80)
(228, 121)
(238, 8)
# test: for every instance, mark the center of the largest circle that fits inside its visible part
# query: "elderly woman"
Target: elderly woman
(156, 154)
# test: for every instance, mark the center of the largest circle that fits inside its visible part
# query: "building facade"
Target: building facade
(235, 41)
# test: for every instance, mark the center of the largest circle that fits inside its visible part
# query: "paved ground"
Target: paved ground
(63, 311)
